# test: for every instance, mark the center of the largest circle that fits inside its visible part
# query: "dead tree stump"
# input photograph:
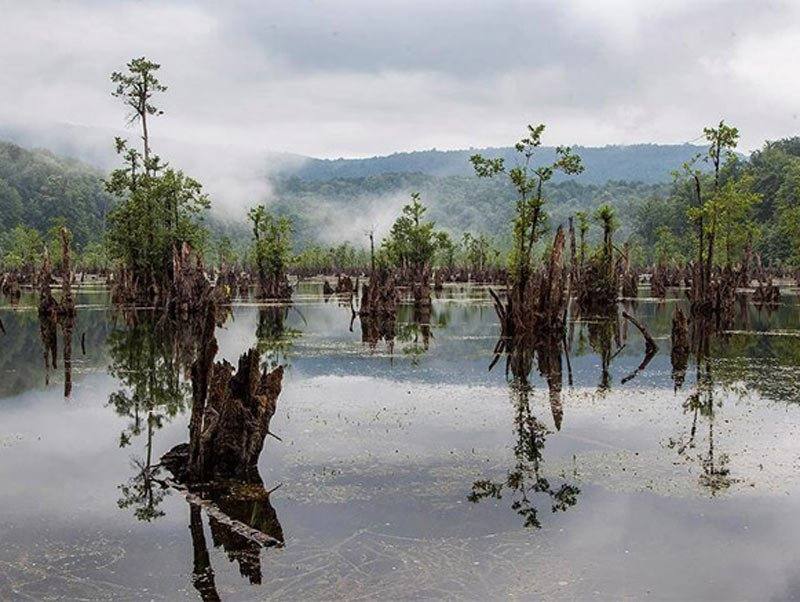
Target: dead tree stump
(344, 284)
(236, 419)
(680, 346)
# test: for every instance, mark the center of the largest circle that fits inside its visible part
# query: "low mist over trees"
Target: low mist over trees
(41, 191)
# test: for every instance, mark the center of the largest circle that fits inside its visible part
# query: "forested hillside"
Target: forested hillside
(772, 224)
(39, 189)
(346, 208)
(649, 163)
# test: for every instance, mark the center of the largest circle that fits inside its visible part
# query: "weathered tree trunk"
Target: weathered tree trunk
(650, 344)
(679, 354)
(658, 281)
(573, 265)
(379, 296)
(67, 305)
(630, 278)
(438, 281)
(344, 284)
(421, 286)
(48, 315)
(9, 287)
(236, 418)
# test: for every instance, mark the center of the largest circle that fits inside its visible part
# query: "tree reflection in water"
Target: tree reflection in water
(702, 405)
(151, 356)
(274, 338)
(148, 357)
(242, 522)
(525, 480)
(152, 359)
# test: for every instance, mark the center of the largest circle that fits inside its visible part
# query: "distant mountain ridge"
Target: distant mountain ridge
(647, 163)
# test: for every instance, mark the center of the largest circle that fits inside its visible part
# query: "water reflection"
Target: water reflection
(638, 445)
(242, 522)
(702, 406)
(148, 357)
(274, 338)
(525, 480)
(156, 363)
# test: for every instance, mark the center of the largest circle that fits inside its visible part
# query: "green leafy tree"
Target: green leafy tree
(528, 182)
(667, 247)
(707, 211)
(412, 241)
(22, 248)
(160, 208)
(272, 246)
(478, 251)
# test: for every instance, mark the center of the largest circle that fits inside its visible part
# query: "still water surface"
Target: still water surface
(410, 470)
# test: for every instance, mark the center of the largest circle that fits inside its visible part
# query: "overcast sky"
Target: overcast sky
(360, 78)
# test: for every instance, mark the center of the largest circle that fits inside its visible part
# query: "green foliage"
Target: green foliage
(740, 202)
(528, 182)
(160, 208)
(668, 248)
(342, 256)
(730, 212)
(156, 213)
(225, 253)
(479, 252)
(94, 257)
(272, 242)
(412, 241)
(22, 248)
(38, 190)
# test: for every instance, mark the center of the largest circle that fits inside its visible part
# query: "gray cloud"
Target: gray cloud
(358, 78)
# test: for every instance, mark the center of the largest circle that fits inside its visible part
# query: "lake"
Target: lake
(406, 468)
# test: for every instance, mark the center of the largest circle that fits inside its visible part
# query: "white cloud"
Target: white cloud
(360, 78)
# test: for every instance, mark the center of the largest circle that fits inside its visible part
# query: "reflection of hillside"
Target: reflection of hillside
(767, 364)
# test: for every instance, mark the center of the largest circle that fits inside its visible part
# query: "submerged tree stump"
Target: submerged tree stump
(679, 354)
(9, 287)
(630, 284)
(344, 284)
(379, 296)
(659, 280)
(421, 287)
(766, 293)
(438, 281)
(537, 303)
(236, 418)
